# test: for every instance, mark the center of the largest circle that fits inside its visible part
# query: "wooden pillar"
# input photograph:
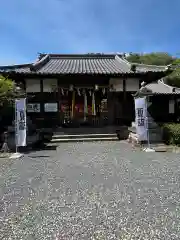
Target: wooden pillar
(41, 97)
(85, 104)
(73, 104)
(124, 99)
(110, 108)
(124, 91)
(59, 103)
(93, 103)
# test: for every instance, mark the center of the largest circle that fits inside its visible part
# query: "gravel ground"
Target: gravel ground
(104, 190)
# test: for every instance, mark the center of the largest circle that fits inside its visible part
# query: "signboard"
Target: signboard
(171, 106)
(50, 107)
(33, 107)
(20, 121)
(141, 114)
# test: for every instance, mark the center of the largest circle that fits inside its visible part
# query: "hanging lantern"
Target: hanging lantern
(111, 88)
(78, 91)
(85, 105)
(104, 91)
(67, 92)
(90, 93)
(62, 91)
(96, 87)
(71, 88)
(84, 91)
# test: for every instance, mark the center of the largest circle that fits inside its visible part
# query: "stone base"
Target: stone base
(148, 150)
(133, 138)
(5, 155)
(16, 155)
(157, 147)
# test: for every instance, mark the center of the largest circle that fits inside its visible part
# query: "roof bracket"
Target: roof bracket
(37, 65)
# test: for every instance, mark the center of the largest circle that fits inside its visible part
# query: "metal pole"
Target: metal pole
(147, 125)
(15, 126)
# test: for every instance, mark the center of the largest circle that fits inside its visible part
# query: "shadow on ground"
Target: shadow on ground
(38, 148)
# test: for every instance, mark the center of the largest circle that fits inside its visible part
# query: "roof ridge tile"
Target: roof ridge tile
(38, 64)
(111, 64)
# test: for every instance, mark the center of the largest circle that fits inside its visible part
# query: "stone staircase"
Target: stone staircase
(84, 135)
(84, 138)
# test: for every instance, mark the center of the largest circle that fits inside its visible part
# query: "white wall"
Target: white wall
(49, 85)
(132, 84)
(117, 84)
(33, 85)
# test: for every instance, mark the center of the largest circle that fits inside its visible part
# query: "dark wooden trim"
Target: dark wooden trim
(59, 95)
(124, 95)
(41, 85)
(41, 96)
(124, 88)
(140, 81)
(155, 75)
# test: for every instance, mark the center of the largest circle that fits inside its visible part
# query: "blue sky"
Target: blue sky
(81, 26)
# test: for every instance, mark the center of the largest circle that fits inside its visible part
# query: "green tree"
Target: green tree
(173, 79)
(160, 58)
(134, 58)
(7, 90)
(156, 58)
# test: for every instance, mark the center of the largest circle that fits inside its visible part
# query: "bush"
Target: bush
(171, 133)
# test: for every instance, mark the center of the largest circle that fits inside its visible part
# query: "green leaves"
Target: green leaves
(173, 79)
(7, 90)
(160, 58)
(171, 133)
(156, 58)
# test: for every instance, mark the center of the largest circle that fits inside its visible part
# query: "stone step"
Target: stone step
(86, 130)
(91, 135)
(158, 147)
(90, 139)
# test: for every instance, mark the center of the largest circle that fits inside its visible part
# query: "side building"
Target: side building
(81, 89)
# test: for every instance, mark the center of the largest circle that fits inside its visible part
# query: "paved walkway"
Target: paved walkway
(90, 191)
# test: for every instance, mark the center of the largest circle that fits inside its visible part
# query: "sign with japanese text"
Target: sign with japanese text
(33, 107)
(20, 121)
(141, 112)
(50, 107)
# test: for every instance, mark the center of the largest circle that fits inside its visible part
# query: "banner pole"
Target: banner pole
(148, 149)
(20, 126)
(15, 125)
(147, 125)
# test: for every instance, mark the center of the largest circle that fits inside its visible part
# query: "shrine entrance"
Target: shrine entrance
(83, 107)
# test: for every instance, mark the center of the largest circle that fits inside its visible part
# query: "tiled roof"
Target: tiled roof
(159, 87)
(100, 64)
(156, 88)
(150, 68)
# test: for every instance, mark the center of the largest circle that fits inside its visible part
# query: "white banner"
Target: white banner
(141, 116)
(20, 121)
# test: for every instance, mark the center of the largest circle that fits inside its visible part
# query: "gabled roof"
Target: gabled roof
(149, 68)
(64, 64)
(157, 88)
